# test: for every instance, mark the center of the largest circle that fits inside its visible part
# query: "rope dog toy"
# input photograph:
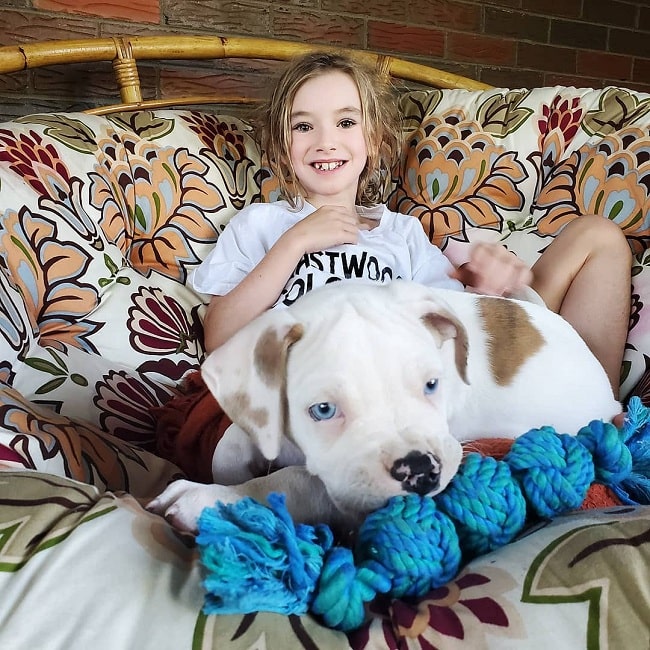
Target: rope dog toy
(256, 559)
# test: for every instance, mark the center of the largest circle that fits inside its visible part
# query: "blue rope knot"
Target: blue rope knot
(485, 503)
(554, 470)
(415, 544)
(612, 458)
(343, 590)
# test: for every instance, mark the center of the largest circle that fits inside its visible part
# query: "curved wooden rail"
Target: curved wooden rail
(124, 52)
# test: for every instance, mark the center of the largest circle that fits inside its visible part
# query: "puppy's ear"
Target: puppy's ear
(248, 377)
(444, 325)
(436, 315)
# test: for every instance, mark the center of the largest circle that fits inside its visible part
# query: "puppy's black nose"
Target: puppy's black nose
(417, 472)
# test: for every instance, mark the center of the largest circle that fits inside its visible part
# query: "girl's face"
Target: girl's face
(328, 147)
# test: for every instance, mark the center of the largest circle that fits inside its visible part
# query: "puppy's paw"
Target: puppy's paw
(183, 501)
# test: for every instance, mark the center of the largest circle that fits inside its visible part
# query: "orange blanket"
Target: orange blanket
(191, 424)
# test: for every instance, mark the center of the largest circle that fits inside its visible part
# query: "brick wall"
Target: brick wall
(512, 43)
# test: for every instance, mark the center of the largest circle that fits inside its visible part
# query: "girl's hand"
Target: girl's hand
(328, 226)
(493, 270)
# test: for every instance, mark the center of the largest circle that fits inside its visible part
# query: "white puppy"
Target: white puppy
(366, 392)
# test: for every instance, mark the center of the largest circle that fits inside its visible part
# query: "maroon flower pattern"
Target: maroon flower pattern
(470, 608)
(159, 325)
(125, 402)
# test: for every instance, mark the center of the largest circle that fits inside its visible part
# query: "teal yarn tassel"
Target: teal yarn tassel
(635, 488)
(256, 559)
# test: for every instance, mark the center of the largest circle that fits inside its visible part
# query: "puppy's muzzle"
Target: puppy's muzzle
(417, 472)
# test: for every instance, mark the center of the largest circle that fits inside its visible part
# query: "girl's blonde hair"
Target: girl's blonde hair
(379, 114)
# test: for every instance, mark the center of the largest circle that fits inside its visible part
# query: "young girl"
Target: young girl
(330, 130)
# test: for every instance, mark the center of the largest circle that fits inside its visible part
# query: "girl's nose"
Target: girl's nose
(326, 140)
(326, 144)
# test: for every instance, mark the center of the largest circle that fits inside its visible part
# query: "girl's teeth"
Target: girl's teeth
(327, 165)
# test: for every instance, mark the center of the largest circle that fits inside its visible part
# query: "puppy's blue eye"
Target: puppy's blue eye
(322, 411)
(430, 386)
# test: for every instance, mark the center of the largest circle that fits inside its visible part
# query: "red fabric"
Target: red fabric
(188, 428)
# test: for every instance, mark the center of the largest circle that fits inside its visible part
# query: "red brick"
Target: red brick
(15, 82)
(316, 27)
(405, 39)
(552, 79)
(644, 88)
(605, 65)
(381, 9)
(503, 3)
(115, 28)
(511, 77)
(625, 41)
(220, 16)
(566, 8)
(516, 24)
(98, 82)
(641, 71)
(21, 27)
(444, 14)
(147, 11)
(546, 57)
(578, 35)
(481, 49)
(13, 106)
(644, 18)
(224, 86)
(612, 12)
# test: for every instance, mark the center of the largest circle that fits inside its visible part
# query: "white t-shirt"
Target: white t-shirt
(395, 248)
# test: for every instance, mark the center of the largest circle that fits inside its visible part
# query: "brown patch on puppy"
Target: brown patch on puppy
(445, 326)
(270, 354)
(238, 405)
(511, 337)
(270, 361)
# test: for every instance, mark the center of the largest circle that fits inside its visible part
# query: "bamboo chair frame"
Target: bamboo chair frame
(124, 52)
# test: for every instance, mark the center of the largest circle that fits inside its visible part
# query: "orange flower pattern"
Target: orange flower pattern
(160, 207)
(610, 177)
(453, 175)
(47, 272)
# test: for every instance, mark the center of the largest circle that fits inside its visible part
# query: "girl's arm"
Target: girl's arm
(256, 293)
(259, 290)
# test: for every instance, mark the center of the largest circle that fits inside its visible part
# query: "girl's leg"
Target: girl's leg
(585, 276)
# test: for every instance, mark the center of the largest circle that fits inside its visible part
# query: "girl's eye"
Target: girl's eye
(322, 411)
(347, 123)
(301, 127)
(430, 387)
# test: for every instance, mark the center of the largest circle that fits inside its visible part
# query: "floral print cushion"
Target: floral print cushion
(84, 568)
(36, 438)
(524, 160)
(103, 219)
